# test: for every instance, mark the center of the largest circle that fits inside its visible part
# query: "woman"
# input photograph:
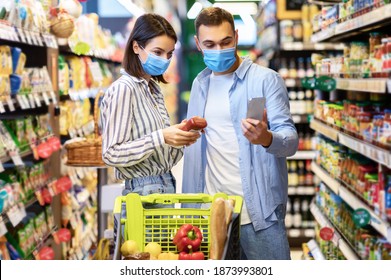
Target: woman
(137, 138)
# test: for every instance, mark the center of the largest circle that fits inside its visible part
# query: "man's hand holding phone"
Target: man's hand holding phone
(255, 127)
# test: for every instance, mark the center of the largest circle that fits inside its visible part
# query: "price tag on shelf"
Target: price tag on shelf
(22, 211)
(20, 101)
(17, 160)
(3, 228)
(79, 253)
(21, 35)
(46, 98)
(26, 101)
(32, 101)
(28, 37)
(2, 109)
(10, 104)
(37, 99)
(14, 216)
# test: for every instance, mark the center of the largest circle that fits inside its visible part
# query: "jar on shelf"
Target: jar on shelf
(352, 125)
(374, 40)
(377, 127)
(385, 133)
(286, 31)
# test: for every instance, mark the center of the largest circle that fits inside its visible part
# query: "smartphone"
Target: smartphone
(255, 108)
(195, 123)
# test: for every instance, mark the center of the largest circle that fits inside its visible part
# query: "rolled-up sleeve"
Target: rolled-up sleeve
(285, 140)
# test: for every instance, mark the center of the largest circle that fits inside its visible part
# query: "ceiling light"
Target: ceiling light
(238, 8)
(194, 10)
(132, 8)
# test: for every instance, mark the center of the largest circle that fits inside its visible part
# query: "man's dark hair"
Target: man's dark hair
(146, 27)
(213, 16)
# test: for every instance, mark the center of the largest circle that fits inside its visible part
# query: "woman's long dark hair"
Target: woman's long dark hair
(147, 27)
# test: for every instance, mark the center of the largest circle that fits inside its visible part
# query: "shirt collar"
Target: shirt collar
(138, 80)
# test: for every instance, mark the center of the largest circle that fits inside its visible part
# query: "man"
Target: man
(236, 155)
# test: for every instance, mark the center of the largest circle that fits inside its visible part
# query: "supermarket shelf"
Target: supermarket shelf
(315, 250)
(332, 183)
(301, 190)
(324, 129)
(301, 233)
(375, 153)
(23, 36)
(303, 155)
(300, 46)
(378, 85)
(7, 158)
(338, 241)
(381, 225)
(300, 118)
(356, 24)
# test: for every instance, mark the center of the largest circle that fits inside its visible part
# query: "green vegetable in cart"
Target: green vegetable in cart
(191, 256)
(187, 238)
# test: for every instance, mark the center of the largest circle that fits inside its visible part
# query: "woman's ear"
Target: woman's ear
(135, 47)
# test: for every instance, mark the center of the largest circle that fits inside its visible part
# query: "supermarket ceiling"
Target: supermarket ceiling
(191, 8)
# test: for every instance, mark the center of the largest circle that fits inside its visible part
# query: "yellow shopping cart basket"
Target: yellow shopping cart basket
(157, 217)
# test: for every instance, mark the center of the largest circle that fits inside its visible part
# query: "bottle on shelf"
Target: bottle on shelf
(283, 71)
(306, 215)
(309, 72)
(301, 71)
(297, 218)
(288, 215)
(309, 102)
(292, 71)
(309, 177)
(293, 172)
(301, 103)
(301, 173)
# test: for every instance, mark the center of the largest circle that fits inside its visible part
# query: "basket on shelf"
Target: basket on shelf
(62, 25)
(87, 152)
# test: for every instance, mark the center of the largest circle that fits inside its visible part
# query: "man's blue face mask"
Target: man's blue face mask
(155, 65)
(219, 60)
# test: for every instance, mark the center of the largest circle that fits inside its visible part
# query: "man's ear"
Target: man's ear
(197, 43)
(135, 47)
(237, 36)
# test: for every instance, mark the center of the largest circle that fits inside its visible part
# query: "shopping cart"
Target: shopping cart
(160, 224)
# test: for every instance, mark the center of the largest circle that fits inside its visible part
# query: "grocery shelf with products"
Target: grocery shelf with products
(53, 63)
(284, 41)
(351, 120)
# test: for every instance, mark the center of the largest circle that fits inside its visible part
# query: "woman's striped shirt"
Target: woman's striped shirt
(132, 116)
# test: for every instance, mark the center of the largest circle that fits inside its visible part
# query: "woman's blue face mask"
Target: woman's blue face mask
(219, 60)
(154, 65)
